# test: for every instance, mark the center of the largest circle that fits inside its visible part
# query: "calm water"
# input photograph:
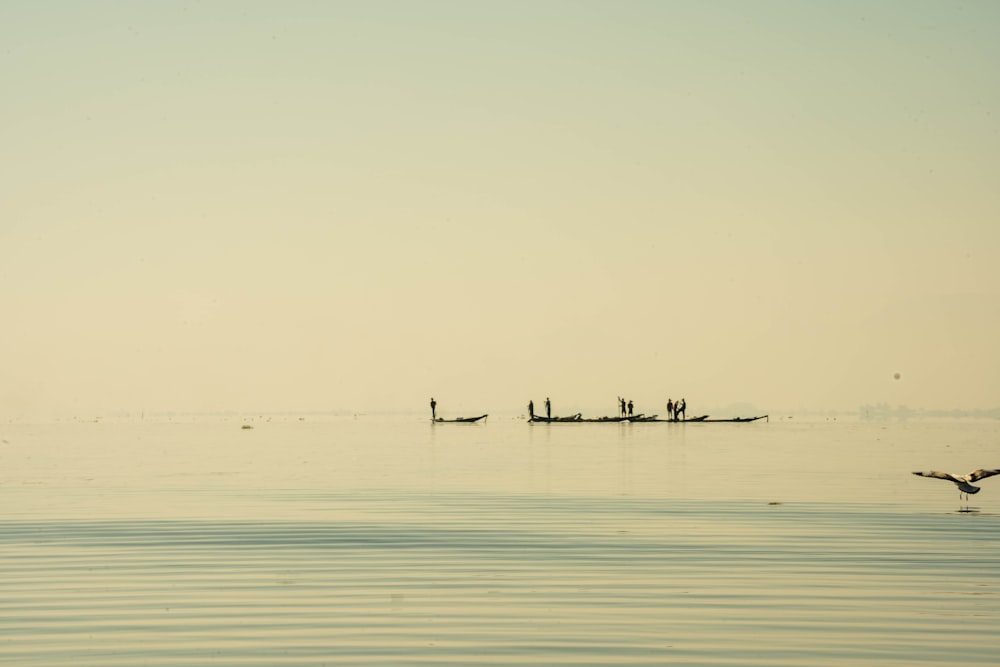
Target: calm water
(397, 542)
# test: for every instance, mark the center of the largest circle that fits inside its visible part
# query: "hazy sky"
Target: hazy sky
(358, 205)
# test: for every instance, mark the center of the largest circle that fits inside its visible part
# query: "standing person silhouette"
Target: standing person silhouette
(670, 409)
(433, 408)
(630, 408)
(548, 408)
(683, 409)
(621, 406)
(531, 409)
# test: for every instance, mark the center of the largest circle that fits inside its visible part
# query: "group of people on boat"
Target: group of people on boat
(624, 409)
(548, 409)
(675, 411)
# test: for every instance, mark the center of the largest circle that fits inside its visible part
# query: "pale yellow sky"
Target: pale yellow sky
(319, 206)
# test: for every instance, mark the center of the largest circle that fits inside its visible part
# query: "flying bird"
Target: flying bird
(963, 482)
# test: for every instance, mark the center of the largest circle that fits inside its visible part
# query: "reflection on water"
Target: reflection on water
(389, 544)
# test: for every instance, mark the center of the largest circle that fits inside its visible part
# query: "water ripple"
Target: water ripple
(481, 580)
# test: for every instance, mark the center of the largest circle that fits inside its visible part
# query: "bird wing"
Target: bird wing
(977, 475)
(941, 475)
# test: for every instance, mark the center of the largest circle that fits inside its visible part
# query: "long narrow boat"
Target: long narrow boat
(577, 419)
(459, 420)
(549, 420)
(705, 420)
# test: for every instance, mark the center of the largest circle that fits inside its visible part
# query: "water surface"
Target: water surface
(396, 542)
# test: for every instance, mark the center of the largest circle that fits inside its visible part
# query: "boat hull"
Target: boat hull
(459, 420)
(553, 420)
(705, 420)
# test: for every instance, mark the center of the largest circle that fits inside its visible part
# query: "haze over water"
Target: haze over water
(395, 541)
(233, 206)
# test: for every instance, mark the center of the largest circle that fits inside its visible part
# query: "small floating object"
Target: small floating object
(246, 427)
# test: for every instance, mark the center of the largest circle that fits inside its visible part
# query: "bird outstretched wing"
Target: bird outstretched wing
(940, 475)
(977, 475)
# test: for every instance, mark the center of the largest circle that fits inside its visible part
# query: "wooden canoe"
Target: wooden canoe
(459, 420)
(705, 420)
(549, 420)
